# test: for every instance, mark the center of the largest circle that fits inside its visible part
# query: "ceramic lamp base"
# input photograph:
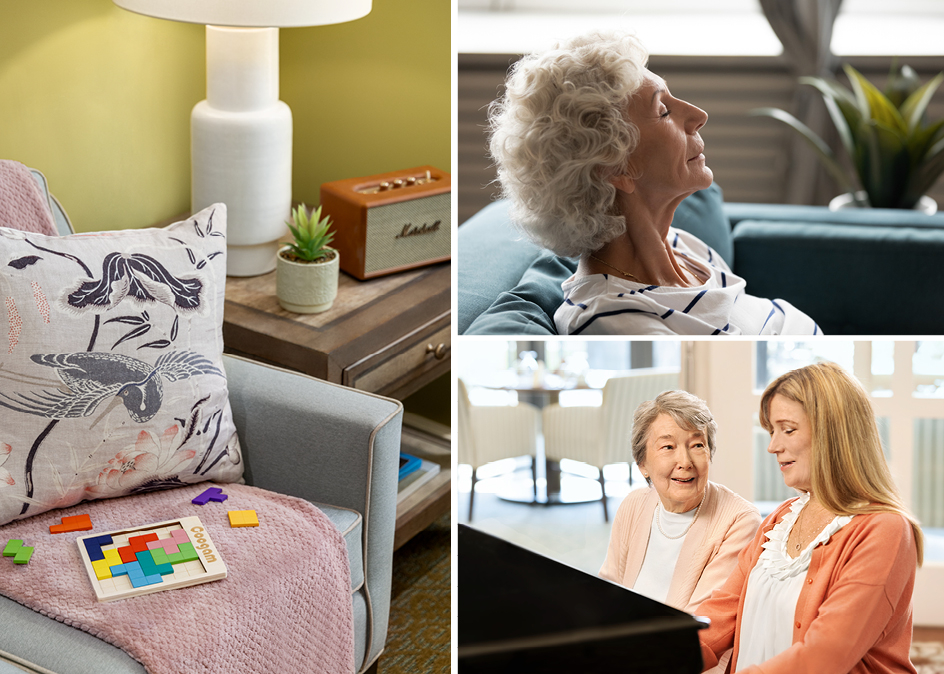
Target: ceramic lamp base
(241, 146)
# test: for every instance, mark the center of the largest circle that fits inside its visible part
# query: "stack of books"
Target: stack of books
(414, 473)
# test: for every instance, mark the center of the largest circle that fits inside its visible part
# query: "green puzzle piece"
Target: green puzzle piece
(160, 556)
(188, 552)
(23, 555)
(146, 560)
(12, 547)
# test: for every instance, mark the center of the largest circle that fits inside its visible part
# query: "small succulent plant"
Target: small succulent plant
(311, 235)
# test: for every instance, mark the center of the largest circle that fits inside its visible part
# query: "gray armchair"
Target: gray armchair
(334, 446)
(350, 442)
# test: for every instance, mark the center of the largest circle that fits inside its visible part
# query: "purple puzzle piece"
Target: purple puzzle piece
(211, 494)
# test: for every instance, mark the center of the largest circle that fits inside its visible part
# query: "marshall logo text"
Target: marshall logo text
(412, 230)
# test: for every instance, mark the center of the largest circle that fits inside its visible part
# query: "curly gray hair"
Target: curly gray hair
(560, 134)
(688, 411)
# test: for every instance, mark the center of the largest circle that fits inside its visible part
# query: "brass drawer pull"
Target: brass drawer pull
(438, 351)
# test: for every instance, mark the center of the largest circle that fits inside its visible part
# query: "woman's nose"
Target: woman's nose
(698, 118)
(771, 446)
(684, 459)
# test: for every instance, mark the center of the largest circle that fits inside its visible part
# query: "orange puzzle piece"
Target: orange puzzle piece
(74, 523)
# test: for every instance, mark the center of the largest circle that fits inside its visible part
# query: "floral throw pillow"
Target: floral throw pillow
(111, 374)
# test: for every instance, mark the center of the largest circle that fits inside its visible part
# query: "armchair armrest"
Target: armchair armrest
(851, 279)
(328, 444)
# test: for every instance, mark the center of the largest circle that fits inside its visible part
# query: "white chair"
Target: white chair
(600, 435)
(489, 434)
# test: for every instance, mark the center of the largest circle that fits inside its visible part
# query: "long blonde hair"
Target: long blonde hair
(849, 473)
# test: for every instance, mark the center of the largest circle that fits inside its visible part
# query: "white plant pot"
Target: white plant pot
(925, 204)
(306, 288)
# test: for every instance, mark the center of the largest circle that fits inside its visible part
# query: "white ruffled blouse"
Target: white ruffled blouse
(773, 588)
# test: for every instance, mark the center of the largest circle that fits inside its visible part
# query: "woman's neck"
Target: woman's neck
(641, 253)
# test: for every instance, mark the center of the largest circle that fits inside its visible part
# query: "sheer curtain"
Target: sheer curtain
(805, 28)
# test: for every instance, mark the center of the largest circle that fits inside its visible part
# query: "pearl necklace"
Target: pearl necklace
(690, 524)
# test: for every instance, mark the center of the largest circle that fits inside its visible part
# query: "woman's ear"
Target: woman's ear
(623, 183)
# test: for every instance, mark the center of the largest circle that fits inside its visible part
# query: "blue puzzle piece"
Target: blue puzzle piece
(141, 581)
(146, 560)
(94, 547)
(130, 569)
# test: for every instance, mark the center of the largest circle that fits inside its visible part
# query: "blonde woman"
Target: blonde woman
(826, 584)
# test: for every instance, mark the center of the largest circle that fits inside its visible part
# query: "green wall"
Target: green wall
(99, 100)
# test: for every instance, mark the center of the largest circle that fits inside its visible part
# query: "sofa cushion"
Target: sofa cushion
(112, 369)
(493, 256)
(528, 308)
(507, 285)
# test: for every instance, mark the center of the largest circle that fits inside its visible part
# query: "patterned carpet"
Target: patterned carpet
(928, 657)
(420, 606)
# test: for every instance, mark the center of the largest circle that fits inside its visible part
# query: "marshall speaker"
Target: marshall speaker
(390, 222)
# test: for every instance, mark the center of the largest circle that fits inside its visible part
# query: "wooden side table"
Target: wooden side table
(389, 336)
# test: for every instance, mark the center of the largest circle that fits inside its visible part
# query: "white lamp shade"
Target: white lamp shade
(252, 13)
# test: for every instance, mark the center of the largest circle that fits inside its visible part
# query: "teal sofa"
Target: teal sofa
(855, 272)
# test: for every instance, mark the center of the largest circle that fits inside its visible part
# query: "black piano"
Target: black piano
(520, 611)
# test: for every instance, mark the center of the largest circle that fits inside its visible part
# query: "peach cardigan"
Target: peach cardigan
(854, 612)
(725, 525)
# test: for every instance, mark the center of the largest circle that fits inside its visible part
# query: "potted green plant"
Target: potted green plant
(895, 153)
(307, 268)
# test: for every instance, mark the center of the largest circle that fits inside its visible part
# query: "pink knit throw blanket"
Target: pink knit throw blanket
(285, 605)
(22, 205)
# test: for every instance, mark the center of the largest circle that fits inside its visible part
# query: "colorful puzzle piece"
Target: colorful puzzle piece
(153, 566)
(73, 523)
(127, 554)
(140, 543)
(211, 494)
(103, 566)
(93, 545)
(20, 553)
(135, 574)
(177, 536)
(243, 518)
(146, 560)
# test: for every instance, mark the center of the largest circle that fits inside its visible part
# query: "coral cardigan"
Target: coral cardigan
(854, 612)
(725, 525)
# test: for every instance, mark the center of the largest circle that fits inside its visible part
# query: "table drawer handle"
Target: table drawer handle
(438, 351)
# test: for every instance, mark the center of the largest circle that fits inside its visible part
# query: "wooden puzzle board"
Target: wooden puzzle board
(150, 558)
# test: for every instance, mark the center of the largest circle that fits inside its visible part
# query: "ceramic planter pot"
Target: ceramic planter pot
(307, 288)
(925, 204)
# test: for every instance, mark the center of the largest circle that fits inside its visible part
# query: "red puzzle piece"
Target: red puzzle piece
(73, 523)
(139, 543)
(127, 554)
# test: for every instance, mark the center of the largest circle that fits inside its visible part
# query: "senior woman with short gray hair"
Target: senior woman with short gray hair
(595, 154)
(679, 539)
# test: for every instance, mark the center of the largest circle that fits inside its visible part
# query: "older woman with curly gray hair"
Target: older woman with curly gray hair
(595, 154)
(678, 540)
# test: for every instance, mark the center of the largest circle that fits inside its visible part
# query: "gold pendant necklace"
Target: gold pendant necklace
(624, 273)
